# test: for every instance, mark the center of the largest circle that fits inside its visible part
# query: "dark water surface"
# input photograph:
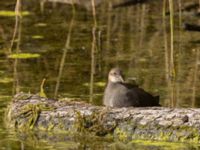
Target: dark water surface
(129, 36)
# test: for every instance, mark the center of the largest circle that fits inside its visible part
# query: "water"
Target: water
(130, 37)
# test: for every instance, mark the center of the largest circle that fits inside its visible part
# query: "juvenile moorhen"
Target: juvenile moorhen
(120, 94)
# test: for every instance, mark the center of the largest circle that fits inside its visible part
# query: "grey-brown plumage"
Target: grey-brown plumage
(120, 94)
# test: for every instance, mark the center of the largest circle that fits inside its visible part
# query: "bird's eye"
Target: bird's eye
(114, 73)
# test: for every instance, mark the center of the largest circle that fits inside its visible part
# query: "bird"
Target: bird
(118, 93)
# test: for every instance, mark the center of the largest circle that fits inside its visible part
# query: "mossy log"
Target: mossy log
(30, 112)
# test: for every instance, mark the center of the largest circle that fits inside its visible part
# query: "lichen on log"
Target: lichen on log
(28, 112)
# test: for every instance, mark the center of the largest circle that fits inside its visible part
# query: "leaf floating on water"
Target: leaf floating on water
(85, 84)
(40, 24)
(5, 13)
(6, 80)
(23, 56)
(142, 60)
(37, 37)
(98, 84)
(2, 71)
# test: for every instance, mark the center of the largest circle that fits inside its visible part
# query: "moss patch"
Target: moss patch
(30, 113)
(92, 123)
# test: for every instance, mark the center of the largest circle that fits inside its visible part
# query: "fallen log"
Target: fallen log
(28, 111)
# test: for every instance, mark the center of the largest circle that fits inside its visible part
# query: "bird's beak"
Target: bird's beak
(121, 79)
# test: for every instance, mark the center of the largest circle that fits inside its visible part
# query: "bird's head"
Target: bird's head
(115, 76)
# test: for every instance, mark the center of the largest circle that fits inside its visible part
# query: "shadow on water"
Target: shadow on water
(76, 48)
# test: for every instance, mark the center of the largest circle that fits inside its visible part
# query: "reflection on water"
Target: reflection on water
(135, 37)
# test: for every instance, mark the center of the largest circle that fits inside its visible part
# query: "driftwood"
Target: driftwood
(28, 111)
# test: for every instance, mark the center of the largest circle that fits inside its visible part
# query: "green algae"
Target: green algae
(50, 126)
(98, 84)
(129, 131)
(35, 114)
(93, 124)
(6, 13)
(164, 145)
(31, 113)
(40, 24)
(6, 80)
(23, 56)
(37, 37)
(121, 135)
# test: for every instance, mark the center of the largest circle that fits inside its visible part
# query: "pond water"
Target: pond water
(130, 36)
